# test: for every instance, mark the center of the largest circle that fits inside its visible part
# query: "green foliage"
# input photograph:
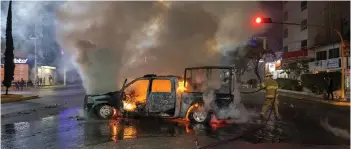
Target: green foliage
(289, 84)
(297, 68)
(318, 84)
(9, 65)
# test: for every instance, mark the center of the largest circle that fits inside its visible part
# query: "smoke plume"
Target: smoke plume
(111, 41)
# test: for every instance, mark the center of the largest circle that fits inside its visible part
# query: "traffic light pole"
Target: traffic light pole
(343, 49)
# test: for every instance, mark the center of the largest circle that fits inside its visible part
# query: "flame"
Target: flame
(181, 87)
(189, 110)
(129, 106)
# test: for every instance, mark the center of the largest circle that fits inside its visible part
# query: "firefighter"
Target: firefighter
(271, 88)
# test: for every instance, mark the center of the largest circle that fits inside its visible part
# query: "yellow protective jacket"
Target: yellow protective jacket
(271, 88)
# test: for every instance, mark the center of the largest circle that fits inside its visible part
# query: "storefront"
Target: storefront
(21, 70)
(275, 69)
(47, 74)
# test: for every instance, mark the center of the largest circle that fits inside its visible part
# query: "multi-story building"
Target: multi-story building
(329, 15)
(318, 20)
(316, 39)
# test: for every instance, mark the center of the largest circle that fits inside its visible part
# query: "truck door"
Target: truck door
(162, 97)
(137, 93)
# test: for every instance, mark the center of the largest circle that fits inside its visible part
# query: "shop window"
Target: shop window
(322, 55)
(303, 24)
(303, 5)
(161, 86)
(304, 44)
(286, 33)
(334, 53)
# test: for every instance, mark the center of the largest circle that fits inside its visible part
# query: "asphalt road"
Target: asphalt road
(54, 122)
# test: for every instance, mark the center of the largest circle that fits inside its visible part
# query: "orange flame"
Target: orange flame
(181, 87)
(129, 106)
(189, 110)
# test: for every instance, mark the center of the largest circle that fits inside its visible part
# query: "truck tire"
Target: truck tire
(196, 116)
(104, 111)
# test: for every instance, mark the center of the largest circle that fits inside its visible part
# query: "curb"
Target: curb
(316, 100)
(11, 96)
(19, 99)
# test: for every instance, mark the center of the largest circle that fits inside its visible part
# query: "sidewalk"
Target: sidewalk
(304, 96)
(3, 89)
(27, 93)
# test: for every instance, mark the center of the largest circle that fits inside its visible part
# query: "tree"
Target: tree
(239, 62)
(9, 56)
(253, 53)
(297, 68)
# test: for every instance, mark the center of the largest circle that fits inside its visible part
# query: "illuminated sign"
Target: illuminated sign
(20, 61)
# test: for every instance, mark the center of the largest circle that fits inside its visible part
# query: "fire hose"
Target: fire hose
(243, 134)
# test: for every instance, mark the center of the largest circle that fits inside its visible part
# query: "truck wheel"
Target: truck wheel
(104, 111)
(199, 116)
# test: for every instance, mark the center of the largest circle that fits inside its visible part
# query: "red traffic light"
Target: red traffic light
(258, 20)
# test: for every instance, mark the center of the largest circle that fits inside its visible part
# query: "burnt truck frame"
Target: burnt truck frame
(172, 104)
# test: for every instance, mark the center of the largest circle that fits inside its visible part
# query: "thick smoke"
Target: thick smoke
(234, 113)
(115, 40)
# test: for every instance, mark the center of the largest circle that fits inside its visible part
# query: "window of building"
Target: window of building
(303, 24)
(303, 5)
(334, 53)
(322, 55)
(161, 86)
(286, 16)
(286, 33)
(304, 44)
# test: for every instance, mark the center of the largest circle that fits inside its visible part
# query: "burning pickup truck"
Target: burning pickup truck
(167, 96)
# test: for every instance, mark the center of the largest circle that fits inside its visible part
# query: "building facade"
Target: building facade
(329, 15)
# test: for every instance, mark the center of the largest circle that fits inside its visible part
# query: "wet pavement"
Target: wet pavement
(55, 122)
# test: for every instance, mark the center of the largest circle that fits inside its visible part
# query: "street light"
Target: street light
(35, 56)
(343, 48)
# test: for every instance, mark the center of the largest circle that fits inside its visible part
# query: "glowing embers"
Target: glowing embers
(216, 123)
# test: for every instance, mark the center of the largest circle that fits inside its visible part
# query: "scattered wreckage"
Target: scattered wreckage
(166, 96)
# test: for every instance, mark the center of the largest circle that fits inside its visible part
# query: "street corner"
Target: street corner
(17, 97)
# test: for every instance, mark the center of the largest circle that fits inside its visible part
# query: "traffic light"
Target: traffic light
(260, 20)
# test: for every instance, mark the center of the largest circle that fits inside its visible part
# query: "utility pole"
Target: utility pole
(64, 70)
(35, 56)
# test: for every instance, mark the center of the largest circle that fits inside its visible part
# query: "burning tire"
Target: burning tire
(198, 115)
(104, 111)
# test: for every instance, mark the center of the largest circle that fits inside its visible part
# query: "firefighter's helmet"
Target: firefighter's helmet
(268, 74)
